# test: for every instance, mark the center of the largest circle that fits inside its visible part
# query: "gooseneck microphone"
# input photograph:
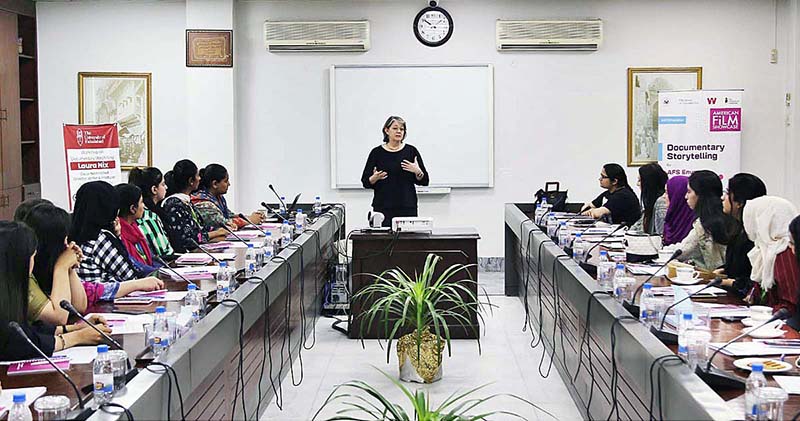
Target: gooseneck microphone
(265, 205)
(669, 337)
(558, 228)
(194, 243)
(586, 256)
(241, 215)
(230, 231)
(18, 329)
(279, 197)
(716, 377)
(66, 305)
(631, 306)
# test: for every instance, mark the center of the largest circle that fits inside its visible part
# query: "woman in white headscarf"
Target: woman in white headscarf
(775, 271)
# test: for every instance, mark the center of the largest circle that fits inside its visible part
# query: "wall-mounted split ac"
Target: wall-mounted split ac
(549, 35)
(316, 36)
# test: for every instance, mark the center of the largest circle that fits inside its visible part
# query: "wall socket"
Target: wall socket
(773, 56)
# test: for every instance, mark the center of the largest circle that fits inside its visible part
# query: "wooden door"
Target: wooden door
(10, 147)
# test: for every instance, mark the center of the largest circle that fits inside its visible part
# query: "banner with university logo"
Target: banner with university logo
(92, 154)
(700, 130)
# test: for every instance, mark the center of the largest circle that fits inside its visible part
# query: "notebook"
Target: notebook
(39, 365)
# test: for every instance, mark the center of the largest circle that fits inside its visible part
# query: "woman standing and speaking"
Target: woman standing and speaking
(392, 170)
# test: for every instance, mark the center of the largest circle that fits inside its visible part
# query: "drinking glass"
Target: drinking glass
(53, 407)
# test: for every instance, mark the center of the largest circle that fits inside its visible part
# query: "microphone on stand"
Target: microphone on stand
(194, 243)
(279, 197)
(716, 377)
(566, 221)
(669, 337)
(230, 231)
(18, 329)
(241, 215)
(66, 305)
(264, 204)
(621, 225)
(166, 266)
(631, 306)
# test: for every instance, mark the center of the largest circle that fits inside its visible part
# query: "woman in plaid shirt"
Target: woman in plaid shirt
(151, 182)
(106, 259)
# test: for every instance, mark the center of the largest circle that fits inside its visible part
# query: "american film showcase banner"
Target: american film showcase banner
(92, 153)
(700, 130)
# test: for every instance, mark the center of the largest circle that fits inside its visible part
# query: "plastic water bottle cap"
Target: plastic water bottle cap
(687, 316)
(283, 197)
(563, 224)
(648, 285)
(538, 205)
(757, 367)
(249, 245)
(317, 197)
(109, 388)
(603, 253)
(19, 398)
(620, 266)
(578, 235)
(299, 211)
(682, 349)
(285, 222)
(225, 289)
(223, 264)
(101, 349)
(161, 309)
(192, 287)
(552, 214)
(269, 233)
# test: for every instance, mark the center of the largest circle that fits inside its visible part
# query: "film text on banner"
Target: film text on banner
(92, 153)
(700, 130)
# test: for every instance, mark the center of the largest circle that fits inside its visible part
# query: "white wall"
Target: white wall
(109, 36)
(544, 102)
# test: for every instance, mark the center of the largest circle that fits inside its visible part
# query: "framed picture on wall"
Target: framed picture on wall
(209, 48)
(644, 83)
(125, 99)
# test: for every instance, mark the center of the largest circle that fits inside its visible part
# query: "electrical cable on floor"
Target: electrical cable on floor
(287, 308)
(104, 407)
(296, 246)
(584, 340)
(535, 342)
(614, 370)
(241, 357)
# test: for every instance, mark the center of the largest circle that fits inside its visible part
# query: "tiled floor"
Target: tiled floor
(506, 361)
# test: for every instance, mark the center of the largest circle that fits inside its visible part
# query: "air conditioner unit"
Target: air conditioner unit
(549, 35)
(318, 36)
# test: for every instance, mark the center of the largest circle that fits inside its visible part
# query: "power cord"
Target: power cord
(287, 327)
(614, 370)
(170, 372)
(584, 339)
(660, 361)
(267, 345)
(241, 357)
(104, 407)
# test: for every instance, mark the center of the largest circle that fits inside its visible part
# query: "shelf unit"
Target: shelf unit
(29, 106)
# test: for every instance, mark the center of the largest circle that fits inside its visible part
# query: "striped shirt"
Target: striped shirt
(153, 230)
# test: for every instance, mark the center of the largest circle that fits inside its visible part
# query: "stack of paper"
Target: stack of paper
(123, 324)
(668, 291)
(78, 354)
(202, 258)
(641, 269)
(245, 235)
(791, 384)
(725, 310)
(196, 273)
(755, 348)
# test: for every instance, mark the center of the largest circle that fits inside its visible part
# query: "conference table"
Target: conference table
(558, 293)
(279, 316)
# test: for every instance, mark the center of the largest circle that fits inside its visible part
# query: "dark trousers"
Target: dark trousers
(390, 213)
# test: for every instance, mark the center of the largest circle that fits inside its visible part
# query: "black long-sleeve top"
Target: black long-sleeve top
(737, 264)
(397, 190)
(13, 348)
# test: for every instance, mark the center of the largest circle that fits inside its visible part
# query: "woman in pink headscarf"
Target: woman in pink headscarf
(679, 218)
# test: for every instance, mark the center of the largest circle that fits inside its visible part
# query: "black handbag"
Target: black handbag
(556, 198)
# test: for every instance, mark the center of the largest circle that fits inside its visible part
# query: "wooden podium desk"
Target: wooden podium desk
(375, 252)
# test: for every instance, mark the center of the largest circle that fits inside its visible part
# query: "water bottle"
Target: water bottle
(684, 326)
(537, 215)
(545, 205)
(646, 304)
(286, 234)
(20, 411)
(250, 261)
(552, 224)
(578, 249)
(103, 375)
(619, 287)
(605, 271)
(755, 381)
(299, 221)
(283, 209)
(317, 206)
(161, 333)
(223, 280)
(268, 248)
(563, 235)
(194, 302)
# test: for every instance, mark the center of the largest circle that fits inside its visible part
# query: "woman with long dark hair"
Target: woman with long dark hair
(17, 254)
(741, 188)
(775, 274)
(209, 200)
(94, 229)
(653, 181)
(131, 208)
(150, 181)
(713, 230)
(54, 277)
(680, 217)
(618, 203)
(182, 220)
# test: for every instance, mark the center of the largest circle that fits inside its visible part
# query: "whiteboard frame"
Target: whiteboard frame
(332, 116)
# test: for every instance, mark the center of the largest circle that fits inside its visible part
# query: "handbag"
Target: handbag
(556, 198)
(641, 247)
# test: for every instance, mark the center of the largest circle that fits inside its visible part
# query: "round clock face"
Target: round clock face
(433, 26)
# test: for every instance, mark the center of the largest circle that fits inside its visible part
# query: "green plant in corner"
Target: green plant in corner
(423, 303)
(456, 407)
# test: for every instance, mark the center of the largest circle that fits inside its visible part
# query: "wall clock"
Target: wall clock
(433, 26)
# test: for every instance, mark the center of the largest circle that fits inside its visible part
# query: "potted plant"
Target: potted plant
(456, 407)
(421, 309)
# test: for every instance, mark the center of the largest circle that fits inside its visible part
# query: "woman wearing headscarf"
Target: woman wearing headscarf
(776, 277)
(94, 223)
(679, 218)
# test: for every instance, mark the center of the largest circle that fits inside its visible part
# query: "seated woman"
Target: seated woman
(209, 200)
(151, 183)
(131, 208)
(25, 207)
(713, 230)
(652, 180)
(621, 205)
(17, 253)
(776, 277)
(741, 188)
(54, 278)
(106, 259)
(680, 217)
(183, 223)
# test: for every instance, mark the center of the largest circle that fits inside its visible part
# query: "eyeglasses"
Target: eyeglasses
(604, 176)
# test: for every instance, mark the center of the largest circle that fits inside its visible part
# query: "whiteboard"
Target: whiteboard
(449, 114)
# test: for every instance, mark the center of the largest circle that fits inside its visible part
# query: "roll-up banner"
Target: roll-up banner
(92, 154)
(700, 130)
